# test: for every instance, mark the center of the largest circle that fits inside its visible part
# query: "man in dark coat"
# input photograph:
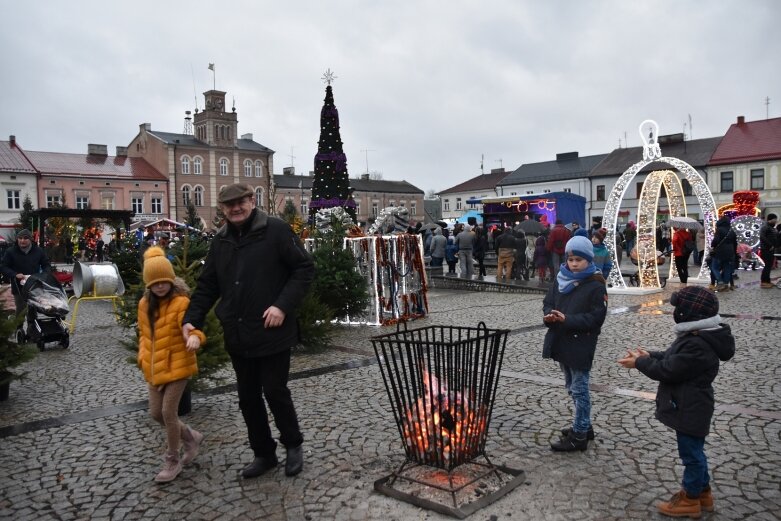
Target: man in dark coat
(557, 240)
(685, 400)
(21, 260)
(724, 245)
(768, 241)
(258, 269)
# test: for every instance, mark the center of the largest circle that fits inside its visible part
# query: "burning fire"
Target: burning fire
(442, 426)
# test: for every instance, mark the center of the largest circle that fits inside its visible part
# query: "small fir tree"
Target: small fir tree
(11, 353)
(192, 219)
(26, 214)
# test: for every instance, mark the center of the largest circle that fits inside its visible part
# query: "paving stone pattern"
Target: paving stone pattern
(76, 441)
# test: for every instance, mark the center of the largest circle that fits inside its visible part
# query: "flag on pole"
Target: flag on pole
(211, 66)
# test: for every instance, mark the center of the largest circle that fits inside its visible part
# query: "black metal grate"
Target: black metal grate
(441, 381)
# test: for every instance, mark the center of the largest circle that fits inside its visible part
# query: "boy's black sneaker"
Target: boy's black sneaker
(589, 434)
(571, 443)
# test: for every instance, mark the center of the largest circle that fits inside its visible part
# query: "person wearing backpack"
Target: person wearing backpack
(683, 246)
(557, 241)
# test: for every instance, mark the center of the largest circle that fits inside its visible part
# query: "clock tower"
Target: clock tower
(214, 125)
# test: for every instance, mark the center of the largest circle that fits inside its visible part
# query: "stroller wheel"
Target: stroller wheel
(41, 345)
(65, 342)
(21, 338)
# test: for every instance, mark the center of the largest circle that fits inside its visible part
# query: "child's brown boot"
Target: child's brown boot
(706, 500)
(680, 505)
(171, 468)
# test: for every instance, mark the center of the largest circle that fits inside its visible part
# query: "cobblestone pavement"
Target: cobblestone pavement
(76, 441)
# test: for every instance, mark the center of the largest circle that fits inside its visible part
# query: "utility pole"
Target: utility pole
(366, 151)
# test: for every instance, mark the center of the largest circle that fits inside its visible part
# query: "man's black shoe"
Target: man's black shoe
(571, 443)
(259, 466)
(589, 434)
(295, 461)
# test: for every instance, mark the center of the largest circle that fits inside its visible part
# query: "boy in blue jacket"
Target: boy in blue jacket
(684, 401)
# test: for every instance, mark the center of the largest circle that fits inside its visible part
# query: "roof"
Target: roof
(481, 182)
(750, 141)
(171, 138)
(696, 152)
(13, 160)
(113, 167)
(359, 185)
(566, 166)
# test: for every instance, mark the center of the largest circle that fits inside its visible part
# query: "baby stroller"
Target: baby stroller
(47, 305)
(634, 278)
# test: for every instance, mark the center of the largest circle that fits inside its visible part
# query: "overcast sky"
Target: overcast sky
(427, 87)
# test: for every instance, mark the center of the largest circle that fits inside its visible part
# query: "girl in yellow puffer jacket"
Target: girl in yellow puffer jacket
(165, 358)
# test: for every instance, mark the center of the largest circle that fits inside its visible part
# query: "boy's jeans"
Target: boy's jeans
(691, 449)
(722, 270)
(576, 382)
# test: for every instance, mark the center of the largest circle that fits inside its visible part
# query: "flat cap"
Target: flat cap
(24, 233)
(233, 192)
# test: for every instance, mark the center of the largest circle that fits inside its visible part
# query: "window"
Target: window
(513, 193)
(157, 205)
(458, 203)
(198, 195)
(82, 202)
(446, 205)
(726, 182)
(186, 166)
(53, 200)
(357, 207)
(13, 199)
(197, 166)
(758, 179)
(247, 168)
(568, 190)
(600, 192)
(375, 210)
(639, 189)
(137, 204)
(687, 187)
(413, 208)
(391, 203)
(546, 191)
(259, 197)
(304, 206)
(258, 168)
(223, 166)
(529, 192)
(107, 201)
(185, 195)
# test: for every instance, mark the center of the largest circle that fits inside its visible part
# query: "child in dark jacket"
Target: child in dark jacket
(574, 311)
(451, 250)
(684, 401)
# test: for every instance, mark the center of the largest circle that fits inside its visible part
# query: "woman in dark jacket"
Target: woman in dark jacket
(723, 248)
(479, 247)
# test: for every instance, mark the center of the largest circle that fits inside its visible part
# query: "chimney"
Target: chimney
(566, 156)
(146, 126)
(12, 140)
(288, 170)
(246, 136)
(121, 151)
(365, 177)
(497, 170)
(669, 139)
(97, 150)
(741, 120)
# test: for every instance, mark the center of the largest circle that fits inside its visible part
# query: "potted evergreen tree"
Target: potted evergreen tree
(11, 353)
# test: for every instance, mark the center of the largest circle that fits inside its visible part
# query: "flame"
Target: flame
(442, 426)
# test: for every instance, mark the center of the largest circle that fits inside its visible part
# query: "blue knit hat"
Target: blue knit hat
(580, 232)
(580, 246)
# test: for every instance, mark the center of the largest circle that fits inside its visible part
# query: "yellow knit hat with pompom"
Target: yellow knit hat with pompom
(157, 268)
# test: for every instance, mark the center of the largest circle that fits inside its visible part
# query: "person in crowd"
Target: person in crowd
(437, 248)
(68, 245)
(166, 359)
(557, 240)
(630, 236)
(465, 240)
(602, 259)
(620, 245)
(451, 255)
(479, 248)
(505, 251)
(257, 272)
(574, 310)
(699, 241)
(768, 242)
(663, 237)
(685, 398)
(574, 226)
(683, 246)
(541, 261)
(20, 261)
(519, 257)
(82, 244)
(99, 249)
(596, 224)
(723, 252)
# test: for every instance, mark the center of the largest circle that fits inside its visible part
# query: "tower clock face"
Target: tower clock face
(218, 103)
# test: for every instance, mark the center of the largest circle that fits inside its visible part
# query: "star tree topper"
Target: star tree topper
(328, 76)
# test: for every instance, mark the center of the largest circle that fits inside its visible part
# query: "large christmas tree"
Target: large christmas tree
(331, 185)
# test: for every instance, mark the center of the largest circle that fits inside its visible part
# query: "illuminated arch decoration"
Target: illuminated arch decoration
(649, 132)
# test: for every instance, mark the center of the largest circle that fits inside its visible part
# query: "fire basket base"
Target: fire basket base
(476, 484)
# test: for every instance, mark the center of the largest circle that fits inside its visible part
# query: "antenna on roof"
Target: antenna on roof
(691, 131)
(767, 107)
(188, 123)
(194, 94)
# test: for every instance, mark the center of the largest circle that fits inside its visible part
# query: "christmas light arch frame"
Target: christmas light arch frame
(652, 153)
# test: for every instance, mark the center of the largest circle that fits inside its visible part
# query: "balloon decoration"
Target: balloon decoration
(324, 217)
(394, 219)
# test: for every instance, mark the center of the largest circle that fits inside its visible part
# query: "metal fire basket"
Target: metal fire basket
(442, 381)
